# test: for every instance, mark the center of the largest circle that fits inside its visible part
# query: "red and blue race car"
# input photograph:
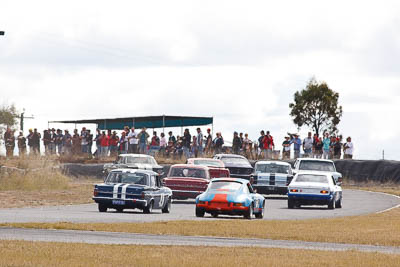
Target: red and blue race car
(230, 196)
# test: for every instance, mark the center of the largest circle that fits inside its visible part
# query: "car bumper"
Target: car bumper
(311, 199)
(270, 189)
(121, 203)
(223, 208)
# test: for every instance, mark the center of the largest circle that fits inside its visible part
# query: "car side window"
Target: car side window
(152, 181)
(250, 188)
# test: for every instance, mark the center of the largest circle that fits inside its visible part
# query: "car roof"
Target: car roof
(210, 159)
(273, 162)
(230, 179)
(190, 166)
(314, 159)
(127, 170)
(135, 155)
(230, 156)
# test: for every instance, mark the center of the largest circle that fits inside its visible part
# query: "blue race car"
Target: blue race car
(230, 196)
(132, 189)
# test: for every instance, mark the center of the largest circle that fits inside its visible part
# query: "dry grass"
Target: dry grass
(25, 253)
(376, 229)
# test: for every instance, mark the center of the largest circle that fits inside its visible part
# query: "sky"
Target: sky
(238, 61)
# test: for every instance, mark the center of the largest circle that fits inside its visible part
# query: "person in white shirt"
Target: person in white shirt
(133, 141)
(307, 145)
(348, 148)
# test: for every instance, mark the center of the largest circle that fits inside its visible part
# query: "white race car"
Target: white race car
(320, 165)
(314, 188)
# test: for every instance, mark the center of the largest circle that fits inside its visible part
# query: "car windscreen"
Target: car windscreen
(272, 168)
(187, 172)
(313, 165)
(212, 163)
(127, 178)
(140, 160)
(312, 178)
(225, 186)
(232, 160)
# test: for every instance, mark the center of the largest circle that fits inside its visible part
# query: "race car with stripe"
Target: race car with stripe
(134, 161)
(132, 189)
(314, 188)
(272, 177)
(230, 196)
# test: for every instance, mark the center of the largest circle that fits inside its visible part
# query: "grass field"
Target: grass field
(25, 253)
(374, 229)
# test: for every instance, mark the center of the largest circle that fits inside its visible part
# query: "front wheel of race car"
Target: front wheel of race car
(149, 208)
(167, 207)
(260, 215)
(200, 212)
(248, 214)
(102, 208)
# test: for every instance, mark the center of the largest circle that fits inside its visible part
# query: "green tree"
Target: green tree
(8, 115)
(317, 107)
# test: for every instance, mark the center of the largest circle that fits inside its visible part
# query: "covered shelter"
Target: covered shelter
(162, 121)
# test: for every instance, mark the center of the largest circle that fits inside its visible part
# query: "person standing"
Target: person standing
(30, 142)
(46, 142)
(163, 144)
(286, 148)
(89, 139)
(142, 137)
(247, 144)
(52, 141)
(318, 148)
(194, 151)
(9, 141)
(104, 143)
(84, 141)
(133, 141)
(36, 142)
(296, 141)
(113, 143)
(236, 143)
(308, 145)
(21, 145)
(199, 143)
(269, 144)
(261, 150)
(218, 143)
(76, 143)
(209, 141)
(326, 145)
(67, 143)
(98, 143)
(337, 148)
(59, 142)
(348, 148)
(187, 139)
(123, 143)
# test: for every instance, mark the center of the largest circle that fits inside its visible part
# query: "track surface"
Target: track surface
(146, 239)
(354, 203)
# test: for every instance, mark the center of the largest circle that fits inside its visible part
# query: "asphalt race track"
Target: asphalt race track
(354, 203)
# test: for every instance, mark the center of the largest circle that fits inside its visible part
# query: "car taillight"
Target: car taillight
(237, 204)
(324, 192)
(95, 192)
(294, 190)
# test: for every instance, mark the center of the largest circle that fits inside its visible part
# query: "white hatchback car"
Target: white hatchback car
(314, 188)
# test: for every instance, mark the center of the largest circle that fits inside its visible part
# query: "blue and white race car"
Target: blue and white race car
(314, 188)
(272, 177)
(132, 189)
(230, 196)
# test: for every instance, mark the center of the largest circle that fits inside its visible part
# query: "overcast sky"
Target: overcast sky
(239, 61)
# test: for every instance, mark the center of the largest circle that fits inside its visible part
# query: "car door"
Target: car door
(156, 192)
(253, 196)
(337, 189)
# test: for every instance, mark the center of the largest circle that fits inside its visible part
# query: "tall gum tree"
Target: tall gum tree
(316, 106)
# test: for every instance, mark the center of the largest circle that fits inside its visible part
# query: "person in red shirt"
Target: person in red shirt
(269, 144)
(104, 142)
(113, 143)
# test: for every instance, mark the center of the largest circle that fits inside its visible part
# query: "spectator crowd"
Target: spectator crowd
(109, 143)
